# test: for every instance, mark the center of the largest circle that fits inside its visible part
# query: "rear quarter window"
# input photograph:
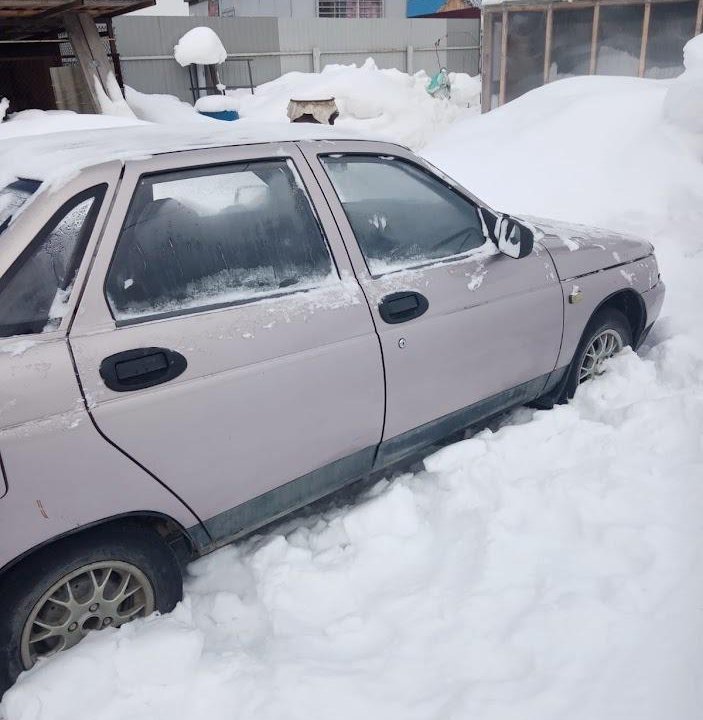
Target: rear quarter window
(34, 292)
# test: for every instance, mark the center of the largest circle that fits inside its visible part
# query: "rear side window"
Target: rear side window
(12, 198)
(401, 215)
(215, 236)
(35, 290)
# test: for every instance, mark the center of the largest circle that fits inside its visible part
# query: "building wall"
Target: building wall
(296, 9)
(281, 45)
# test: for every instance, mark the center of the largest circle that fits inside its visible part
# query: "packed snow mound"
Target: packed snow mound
(684, 100)
(200, 46)
(693, 55)
(43, 122)
(163, 109)
(548, 567)
(387, 103)
(215, 103)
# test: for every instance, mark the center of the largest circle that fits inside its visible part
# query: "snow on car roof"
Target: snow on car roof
(57, 157)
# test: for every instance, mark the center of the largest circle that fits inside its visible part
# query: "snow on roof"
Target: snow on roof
(57, 157)
(200, 46)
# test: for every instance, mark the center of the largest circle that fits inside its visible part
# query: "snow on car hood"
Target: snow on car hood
(580, 249)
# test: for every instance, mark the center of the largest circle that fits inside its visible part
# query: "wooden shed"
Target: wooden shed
(528, 44)
(60, 53)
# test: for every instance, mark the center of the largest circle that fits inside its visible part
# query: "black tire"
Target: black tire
(606, 319)
(24, 585)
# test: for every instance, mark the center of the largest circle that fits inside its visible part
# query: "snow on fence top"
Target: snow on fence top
(200, 46)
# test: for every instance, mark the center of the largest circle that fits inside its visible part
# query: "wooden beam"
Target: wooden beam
(486, 58)
(503, 58)
(645, 38)
(594, 40)
(101, 62)
(699, 18)
(548, 43)
(81, 48)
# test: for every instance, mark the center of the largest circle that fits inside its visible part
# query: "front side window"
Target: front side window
(214, 236)
(35, 290)
(401, 215)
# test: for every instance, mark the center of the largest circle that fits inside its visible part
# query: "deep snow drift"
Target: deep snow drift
(384, 102)
(387, 104)
(551, 568)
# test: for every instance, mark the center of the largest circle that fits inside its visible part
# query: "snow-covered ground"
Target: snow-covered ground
(547, 568)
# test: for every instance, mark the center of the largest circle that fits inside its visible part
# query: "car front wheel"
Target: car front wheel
(97, 579)
(607, 333)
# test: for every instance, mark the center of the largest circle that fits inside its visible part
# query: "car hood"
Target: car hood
(579, 249)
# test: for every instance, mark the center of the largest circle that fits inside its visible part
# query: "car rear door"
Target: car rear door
(222, 340)
(465, 330)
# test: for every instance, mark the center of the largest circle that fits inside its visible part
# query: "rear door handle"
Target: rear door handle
(402, 306)
(141, 368)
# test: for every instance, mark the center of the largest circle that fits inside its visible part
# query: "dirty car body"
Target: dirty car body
(200, 341)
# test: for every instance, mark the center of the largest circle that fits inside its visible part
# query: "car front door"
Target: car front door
(465, 330)
(222, 341)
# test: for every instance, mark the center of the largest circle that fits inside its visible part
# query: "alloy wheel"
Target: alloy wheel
(93, 597)
(603, 346)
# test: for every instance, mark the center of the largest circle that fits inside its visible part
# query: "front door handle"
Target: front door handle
(141, 368)
(402, 306)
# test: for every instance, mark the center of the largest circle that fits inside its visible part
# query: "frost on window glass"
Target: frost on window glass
(34, 293)
(218, 235)
(402, 216)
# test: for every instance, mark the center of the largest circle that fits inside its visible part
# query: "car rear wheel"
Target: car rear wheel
(97, 579)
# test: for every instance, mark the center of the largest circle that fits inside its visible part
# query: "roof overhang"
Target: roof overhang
(29, 19)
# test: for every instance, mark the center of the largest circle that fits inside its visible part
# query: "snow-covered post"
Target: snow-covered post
(316, 60)
(202, 46)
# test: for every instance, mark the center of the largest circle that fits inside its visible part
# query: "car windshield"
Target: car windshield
(13, 197)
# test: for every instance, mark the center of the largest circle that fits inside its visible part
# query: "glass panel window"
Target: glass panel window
(350, 8)
(619, 39)
(13, 197)
(215, 236)
(401, 215)
(571, 42)
(35, 291)
(525, 60)
(671, 26)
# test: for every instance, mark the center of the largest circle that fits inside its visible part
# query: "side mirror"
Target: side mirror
(511, 237)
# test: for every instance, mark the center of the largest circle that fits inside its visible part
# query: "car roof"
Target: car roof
(57, 157)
